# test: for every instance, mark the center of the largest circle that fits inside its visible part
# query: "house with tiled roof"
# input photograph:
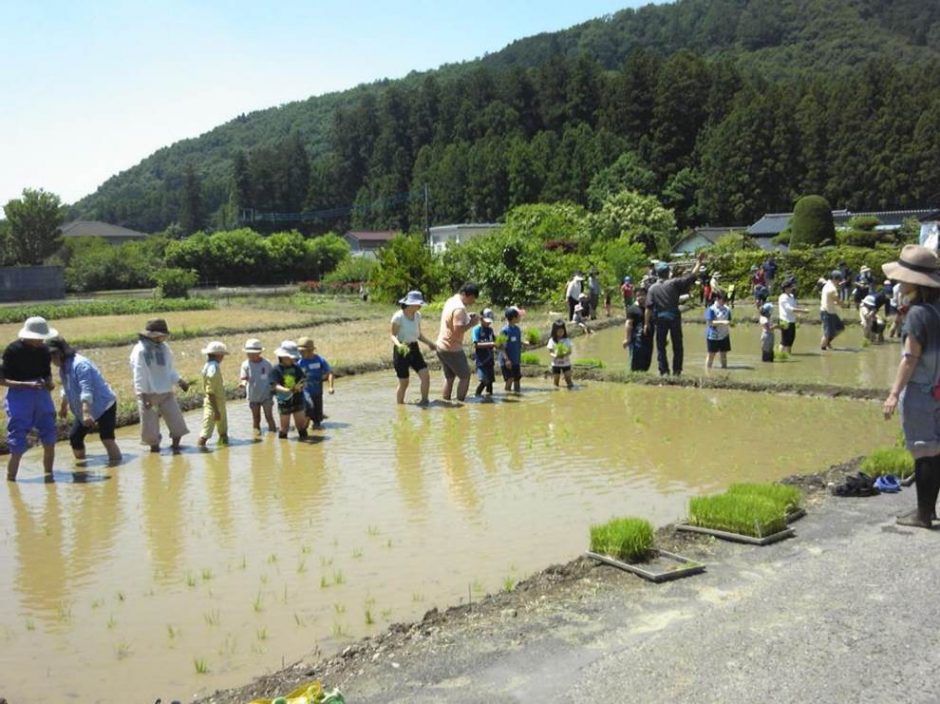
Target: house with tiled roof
(772, 224)
(368, 242)
(113, 234)
(702, 237)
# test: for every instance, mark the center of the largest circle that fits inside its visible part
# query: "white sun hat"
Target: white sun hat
(215, 347)
(36, 328)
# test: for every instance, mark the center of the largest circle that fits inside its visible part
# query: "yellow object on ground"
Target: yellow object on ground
(312, 693)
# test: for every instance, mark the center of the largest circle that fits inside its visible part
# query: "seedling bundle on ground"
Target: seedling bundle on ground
(889, 460)
(742, 513)
(628, 539)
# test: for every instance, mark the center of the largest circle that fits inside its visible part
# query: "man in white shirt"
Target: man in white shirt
(787, 307)
(573, 293)
(829, 310)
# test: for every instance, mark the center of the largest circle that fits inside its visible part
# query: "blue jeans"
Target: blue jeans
(673, 328)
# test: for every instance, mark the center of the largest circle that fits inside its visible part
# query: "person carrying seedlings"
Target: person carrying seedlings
(634, 336)
(766, 332)
(484, 353)
(559, 349)
(154, 378)
(832, 324)
(873, 325)
(455, 322)
(510, 355)
(287, 380)
(573, 292)
(916, 387)
(255, 379)
(627, 293)
(662, 313)
(406, 355)
(27, 374)
(213, 389)
(88, 396)
(787, 309)
(315, 367)
(717, 331)
(581, 313)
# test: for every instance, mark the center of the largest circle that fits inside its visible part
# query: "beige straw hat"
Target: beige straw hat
(917, 265)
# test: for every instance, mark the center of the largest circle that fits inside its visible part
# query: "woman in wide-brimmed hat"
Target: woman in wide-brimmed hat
(915, 390)
(154, 378)
(406, 355)
(27, 374)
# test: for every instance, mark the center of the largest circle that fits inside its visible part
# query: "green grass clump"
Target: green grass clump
(889, 460)
(121, 306)
(629, 539)
(590, 362)
(533, 336)
(745, 514)
(789, 498)
(530, 358)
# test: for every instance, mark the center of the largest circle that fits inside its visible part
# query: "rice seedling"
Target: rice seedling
(370, 601)
(300, 620)
(501, 340)
(373, 530)
(64, 613)
(889, 460)
(212, 618)
(369, 620)
(97, 603)
(326, 562)
(339, 608)
(337, 630)
(533, 336)
(788, 497)
(590, 362)
(120, 596)
(386, 614)
(477, 586)
(530, 358)
(112, 622)
(301, 567)
(258, 603)
(781, 356)
(272, 558)
(264, 578)
(388, 544)
(306, 549)
(122, 650)
(324, 582)
(338, 577)
(30, 625)
(244, 564)
(206, 574)
(508, 584)
(357, 553)
(172, 631)
(284, 596)
(417, 597)
(261, 634)
(629, 539)
(746, 514)
(201, 666)
(190, 579)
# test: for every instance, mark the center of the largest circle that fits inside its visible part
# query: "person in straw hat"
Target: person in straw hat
(27, 374)
(255, 378)
(915, 389)
(154, 378)
(213, 388)
(406, 355)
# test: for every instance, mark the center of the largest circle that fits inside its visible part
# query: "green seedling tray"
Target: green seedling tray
(689, 567)
(738, 537)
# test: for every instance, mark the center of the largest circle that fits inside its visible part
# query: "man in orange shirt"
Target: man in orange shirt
(455, 321)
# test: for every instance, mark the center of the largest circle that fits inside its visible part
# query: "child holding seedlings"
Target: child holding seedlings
(766, 332)
(255, 378)
(213, 405)
(287, 380)
(484, 346)
(406, 355)
(718, 331)
(315, 367)
(511, 354)
(559, 349)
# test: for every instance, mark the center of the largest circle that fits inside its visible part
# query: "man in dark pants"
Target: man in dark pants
(662, 312)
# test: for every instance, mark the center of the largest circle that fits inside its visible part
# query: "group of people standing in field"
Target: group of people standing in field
(295, 383)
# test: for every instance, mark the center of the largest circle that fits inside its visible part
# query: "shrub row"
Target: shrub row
(124, 306)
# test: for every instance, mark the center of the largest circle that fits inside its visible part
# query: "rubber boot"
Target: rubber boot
(924, 481)
(934, 487)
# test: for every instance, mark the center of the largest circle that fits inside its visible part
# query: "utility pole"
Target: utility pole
(427, 216)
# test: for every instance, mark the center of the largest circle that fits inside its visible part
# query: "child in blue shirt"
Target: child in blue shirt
(315, 368)
(484, 346)
(511, 355)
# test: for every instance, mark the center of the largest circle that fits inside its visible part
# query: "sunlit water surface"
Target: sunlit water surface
(240, 559)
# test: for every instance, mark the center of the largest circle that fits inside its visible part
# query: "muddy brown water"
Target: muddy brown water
(851, 363)
(239, 559)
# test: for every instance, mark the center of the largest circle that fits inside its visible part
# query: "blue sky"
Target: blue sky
(92, 87)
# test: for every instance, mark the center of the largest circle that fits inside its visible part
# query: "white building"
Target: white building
(444, 235)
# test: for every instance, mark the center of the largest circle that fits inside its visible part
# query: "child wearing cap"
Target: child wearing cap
(484, 346)
(766, 332)
(27, 374)
(213, 389)
(510, 356)
(288, 381)
(315, 367)
(255, 378)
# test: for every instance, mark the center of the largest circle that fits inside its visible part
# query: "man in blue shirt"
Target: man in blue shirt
(315, 367)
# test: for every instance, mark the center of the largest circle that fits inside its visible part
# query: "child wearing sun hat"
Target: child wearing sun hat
(288, 381)
(213, 405)
(255, 379)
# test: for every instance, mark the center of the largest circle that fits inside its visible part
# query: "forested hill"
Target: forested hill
(722, 108)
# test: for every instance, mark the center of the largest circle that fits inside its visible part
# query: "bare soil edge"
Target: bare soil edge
(556, 583)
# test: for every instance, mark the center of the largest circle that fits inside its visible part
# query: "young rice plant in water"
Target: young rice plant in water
(745, 514)
(889, 460)
(629, 539)
(789, 498)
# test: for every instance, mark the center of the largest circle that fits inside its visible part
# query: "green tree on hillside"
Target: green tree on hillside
(192, 216)
(811, 224)
(33, 226)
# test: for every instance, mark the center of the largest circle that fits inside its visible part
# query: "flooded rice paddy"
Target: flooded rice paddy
(172, 575)
(850, 363)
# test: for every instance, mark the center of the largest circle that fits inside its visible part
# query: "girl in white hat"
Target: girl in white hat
(213, 404)
(255, 379)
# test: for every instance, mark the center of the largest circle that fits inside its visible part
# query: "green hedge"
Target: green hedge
(125, 306)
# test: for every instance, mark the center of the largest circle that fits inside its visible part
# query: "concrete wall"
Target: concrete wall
(31, 283)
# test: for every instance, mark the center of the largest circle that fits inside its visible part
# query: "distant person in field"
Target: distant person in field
(717, 332)
(155, 376)
(594, 292)
(829, 309)
(766, 332)
(88, 396)
(627, 292)
(573, 292)
(455, 322)
(787, 309)
(663, 316)
(27, 374)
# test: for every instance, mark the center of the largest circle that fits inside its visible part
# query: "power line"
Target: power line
(250, 215)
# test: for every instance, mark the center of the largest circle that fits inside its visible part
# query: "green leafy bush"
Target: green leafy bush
(405, 264)
(811, 224)
(175, 283)
(123, 306)
(745, 514)
(352, 270)
(787, 497)
(628, 539)
(889, 460)
(861, 238)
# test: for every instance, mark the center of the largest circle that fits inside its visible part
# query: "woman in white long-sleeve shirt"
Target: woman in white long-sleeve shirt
(154, 379)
